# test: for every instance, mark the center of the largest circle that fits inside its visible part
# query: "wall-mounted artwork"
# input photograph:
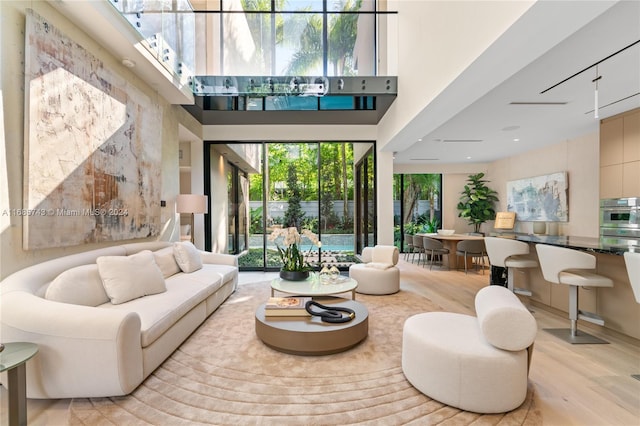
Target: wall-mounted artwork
(540, 198)
(92, 147)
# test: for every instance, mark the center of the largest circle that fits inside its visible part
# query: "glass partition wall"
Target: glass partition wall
(309, 185)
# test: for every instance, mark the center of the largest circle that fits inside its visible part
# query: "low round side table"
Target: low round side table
(13, 360)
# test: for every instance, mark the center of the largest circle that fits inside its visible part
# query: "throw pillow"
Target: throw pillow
(166, 261)
(79, 286)
(385, 254)
(128, 277)
(378, 265)
(187, 256)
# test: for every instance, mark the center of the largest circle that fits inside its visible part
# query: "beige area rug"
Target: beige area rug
(224, 375)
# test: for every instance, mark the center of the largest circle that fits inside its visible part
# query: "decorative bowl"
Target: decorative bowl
(446, 231)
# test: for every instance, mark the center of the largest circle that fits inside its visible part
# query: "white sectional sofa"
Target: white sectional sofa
(98, 340)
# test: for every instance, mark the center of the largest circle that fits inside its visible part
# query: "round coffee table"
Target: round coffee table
(308, 335)
(314, 286)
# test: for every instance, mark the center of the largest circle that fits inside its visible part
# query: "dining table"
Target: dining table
(452, 261)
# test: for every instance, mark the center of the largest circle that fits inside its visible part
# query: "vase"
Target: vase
(294, 275)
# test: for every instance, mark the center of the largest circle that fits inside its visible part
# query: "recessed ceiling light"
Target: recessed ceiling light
(516, 140)
(468, 158)
(419, 139)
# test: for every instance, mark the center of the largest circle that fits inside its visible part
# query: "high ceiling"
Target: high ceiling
(548, 101)
(457, 127)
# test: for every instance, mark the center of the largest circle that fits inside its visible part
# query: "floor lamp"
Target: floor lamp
(193, 204)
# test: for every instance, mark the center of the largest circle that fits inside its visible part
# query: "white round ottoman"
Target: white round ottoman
(449, 357)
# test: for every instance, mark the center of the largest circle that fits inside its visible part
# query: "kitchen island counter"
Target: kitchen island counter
(615, 246)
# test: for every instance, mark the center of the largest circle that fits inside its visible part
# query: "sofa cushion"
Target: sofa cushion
(226, 272)
(159, 312)
(187, 256)
(80, 286)
(166, 261)
(128, 277)
(378, 265)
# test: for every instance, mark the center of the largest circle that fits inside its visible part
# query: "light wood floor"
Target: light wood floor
(572, 384)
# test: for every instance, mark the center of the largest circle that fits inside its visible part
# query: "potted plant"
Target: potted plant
(477, 202)
(294, 266)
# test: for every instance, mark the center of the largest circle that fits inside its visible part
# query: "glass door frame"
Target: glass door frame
(360, 238)
(362, 201)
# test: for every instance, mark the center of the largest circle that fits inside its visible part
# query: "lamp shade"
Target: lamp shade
(191, 203)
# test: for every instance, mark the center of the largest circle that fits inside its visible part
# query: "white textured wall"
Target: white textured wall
(12, 36)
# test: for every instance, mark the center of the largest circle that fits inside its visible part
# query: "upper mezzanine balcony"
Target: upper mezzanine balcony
(319, 58)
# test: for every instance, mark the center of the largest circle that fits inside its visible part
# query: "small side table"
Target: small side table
(13, 360)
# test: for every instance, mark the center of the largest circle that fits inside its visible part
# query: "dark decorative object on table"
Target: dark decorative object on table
(294, 275)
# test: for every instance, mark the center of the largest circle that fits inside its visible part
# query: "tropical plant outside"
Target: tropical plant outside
(308, 186)
(419, 197)
(420, 187)
(342, 32)
(299, 37)
(336, 171)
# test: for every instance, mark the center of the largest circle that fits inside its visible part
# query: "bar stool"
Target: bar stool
(632, 260)
(434, 248)
(571, 267)
(473, 249)
(510, 254)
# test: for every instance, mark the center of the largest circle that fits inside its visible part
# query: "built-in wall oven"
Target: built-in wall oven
(620, 218)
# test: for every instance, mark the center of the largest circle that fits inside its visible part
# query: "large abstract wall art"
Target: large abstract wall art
(540, 198)
(92, 147)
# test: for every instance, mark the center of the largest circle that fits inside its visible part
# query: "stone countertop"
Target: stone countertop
(613, 246)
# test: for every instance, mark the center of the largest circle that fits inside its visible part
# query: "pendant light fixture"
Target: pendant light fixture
(595, 98)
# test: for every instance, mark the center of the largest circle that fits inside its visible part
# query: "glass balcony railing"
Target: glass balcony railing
(168, 31)
(305, 38)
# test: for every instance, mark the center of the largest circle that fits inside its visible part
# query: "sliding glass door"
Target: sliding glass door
(417, 205)
(365, 198)
(309, 185)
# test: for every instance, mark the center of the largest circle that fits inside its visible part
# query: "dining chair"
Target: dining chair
(474, 249)
(408, 241)
(434, 248)
(418, 246)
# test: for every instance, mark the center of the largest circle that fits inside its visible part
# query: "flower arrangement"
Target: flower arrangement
(290, 253)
